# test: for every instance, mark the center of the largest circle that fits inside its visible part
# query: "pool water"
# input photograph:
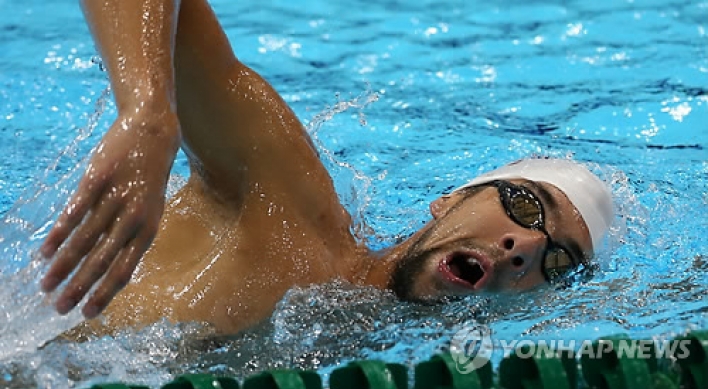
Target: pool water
(406, 100)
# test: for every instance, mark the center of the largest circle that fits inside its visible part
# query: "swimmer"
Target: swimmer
(259, 213)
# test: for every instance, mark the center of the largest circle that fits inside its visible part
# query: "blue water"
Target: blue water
(431, 94)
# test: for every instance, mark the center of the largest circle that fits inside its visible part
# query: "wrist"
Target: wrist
(150, 96)
(158, 123)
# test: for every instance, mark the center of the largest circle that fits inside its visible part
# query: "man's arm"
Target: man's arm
(114, 214)
(236, 128)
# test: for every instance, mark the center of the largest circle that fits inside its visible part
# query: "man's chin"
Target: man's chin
(437, 291)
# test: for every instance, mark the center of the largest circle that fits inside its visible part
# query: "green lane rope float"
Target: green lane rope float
(693, 365)
(441, 372)
(606, 367)
(369, 375)
(614, 362)
(202, 381)
(284, 379)
(551, 369)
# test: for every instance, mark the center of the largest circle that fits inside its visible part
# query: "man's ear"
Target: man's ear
(442, 204)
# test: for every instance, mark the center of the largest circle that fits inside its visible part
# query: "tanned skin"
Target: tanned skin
(259, 213)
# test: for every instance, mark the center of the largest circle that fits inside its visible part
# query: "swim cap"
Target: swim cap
(586, 191)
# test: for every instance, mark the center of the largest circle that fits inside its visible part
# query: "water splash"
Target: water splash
(29, 317)
(359, 103)
(143, 357)
(352, 185)
(323, 326)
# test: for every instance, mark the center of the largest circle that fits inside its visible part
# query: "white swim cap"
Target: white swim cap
(586, 191)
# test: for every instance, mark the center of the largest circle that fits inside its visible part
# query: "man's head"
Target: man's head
(531, 222)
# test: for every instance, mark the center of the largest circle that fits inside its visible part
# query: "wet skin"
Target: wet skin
(475, 225)
(259, 214)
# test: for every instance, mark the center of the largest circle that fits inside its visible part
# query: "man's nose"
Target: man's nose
(522, 249)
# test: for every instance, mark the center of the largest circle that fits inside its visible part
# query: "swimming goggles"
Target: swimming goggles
(526, 210)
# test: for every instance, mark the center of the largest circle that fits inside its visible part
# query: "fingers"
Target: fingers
(95, 265)
(86, 195)
(81, 242)
(117, 278)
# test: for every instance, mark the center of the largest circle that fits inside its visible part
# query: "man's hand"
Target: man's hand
(114, 215)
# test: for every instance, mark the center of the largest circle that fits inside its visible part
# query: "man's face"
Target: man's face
(472, 245)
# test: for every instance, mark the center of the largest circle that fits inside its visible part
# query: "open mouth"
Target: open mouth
(464, 269)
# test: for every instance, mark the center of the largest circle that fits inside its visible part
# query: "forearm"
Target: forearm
(136, 40)
(114, 215)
